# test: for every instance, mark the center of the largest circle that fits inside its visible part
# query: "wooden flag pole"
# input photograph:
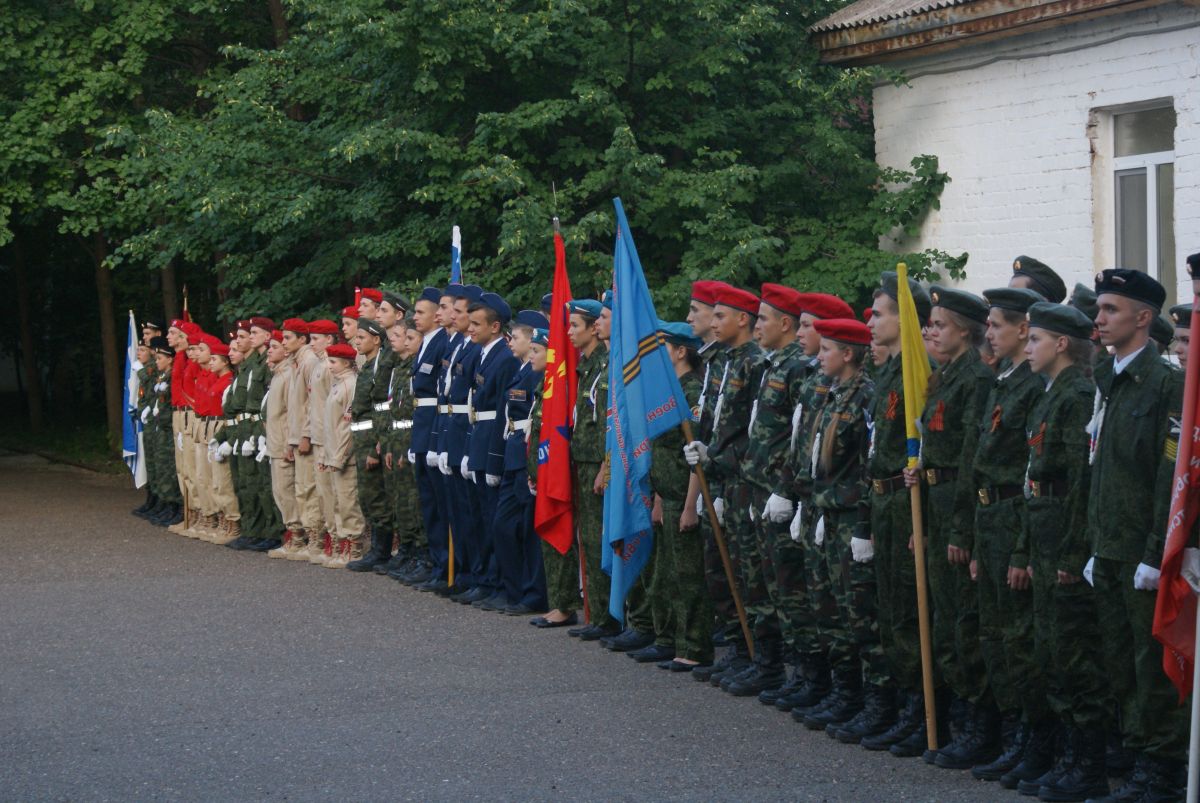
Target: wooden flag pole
(923, 619)
(719, 536)
(450, 566)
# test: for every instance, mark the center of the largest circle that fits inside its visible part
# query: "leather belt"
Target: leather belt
(1047, 488)
(382, 406)
(404, 424)
(888, 485)
(937, 476)
(486, 415)
(998, 493)
(360, 426)
(427, 401)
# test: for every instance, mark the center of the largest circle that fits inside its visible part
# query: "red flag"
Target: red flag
(1175, 608)
(553, 517)
(187, 318)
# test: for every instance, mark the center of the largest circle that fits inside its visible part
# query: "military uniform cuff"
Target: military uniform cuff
(1018, 560)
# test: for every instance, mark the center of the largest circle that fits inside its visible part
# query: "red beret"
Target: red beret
(844, 330)
(295, 325)
(784, 299)
(741, 300)
(823, 305)
(372, 294)
(705, 291)
(191, 331)
(219, 348)
(350, 312)
(211, 341)
(867, 313)
(342, 350)
(277, 335)
(243, 325)
(266, 324)
(322, 327)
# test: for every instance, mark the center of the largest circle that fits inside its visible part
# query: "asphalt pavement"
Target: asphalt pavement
(139, 665)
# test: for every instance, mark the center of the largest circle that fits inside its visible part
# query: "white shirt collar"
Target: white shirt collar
(1120, 363)
(484, 352)
(425, 340)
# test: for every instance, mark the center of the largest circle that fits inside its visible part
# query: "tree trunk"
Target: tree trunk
(29, 364)
(170, 293)
(278, 22)
(108, 340)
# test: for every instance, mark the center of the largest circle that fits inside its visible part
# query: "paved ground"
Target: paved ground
(140, 665)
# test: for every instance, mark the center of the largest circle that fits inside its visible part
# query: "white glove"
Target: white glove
(493, 480)
(862, 550)
(1190, 569)
(700, 505)
(1087, 571)
(145, 416)
(778, 510)
(1146, 577)
(696, 453)
(796, 528)
(179, 441)
(261, 456)
(225, 449)
(753, 513)
(819, 532)
(262, 443)
(463, 470)
(431, 459)
(212, 450)
(719, 506)
(443, 463)
(533, 491)
(412, 458)
(248, 448)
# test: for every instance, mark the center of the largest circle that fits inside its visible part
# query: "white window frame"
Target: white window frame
(1148, 163)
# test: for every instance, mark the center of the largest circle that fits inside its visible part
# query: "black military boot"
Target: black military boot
(704, 674)
(1081, 774)
(395, 562)
(1011, 757)
(845, 702)
(769, 671)
(380, 551)
(1038, 758)
(916, 743)
(793, 684)
(1118, 760)
(978, 743)
(878, 714)
(1068, 752)
(146, 506)
(160, 512)
(629, 640)
(911, 716)
(173, 516)
(739, 662)
(814, 686)
(1166, 781)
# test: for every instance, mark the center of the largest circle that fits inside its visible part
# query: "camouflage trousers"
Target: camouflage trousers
(896, 586)
(854, 588)
(742, 539)
(715, 578)
(955, 615)
(160, 463)
(643, 609)
(1006, 616)
(1152, 720)
(685, 620)
(589, 519)
(562, 578)
(1066, 632)
(400, 485)
(373, 499)
(787, 613)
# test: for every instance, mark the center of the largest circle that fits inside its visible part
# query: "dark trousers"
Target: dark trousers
(432, 512)
(518, 555)
(483, 552)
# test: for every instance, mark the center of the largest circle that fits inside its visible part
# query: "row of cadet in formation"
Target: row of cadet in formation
(400, 443)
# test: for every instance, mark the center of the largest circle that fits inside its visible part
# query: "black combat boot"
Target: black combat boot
(793, 684)
(845, 702)
(769, 671)
(1011, 757)
(911, 717)
(1038, 758)
(814, 686)
(1081, 774)
(739, 661)
(1068, 752)
(629, 640)
(380, 551)
(878, 714)
(978, 743)
(1166, 783)
(394, 563)
(146, 506)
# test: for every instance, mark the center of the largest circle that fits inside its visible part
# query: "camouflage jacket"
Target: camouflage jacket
(381, 411)
(888, 453)
(713, 355)
(533, 453)
(396, 436)
(843, 417)
(799, 464)
(669, 471)
(591, 408)
(362, 407)
(1058, 459)
(774, 420)
(740, 378)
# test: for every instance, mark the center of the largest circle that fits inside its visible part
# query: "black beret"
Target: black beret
(153, 323)
(1083, 298)
(1016, 299)
(371, 326)
(1181, 316)
(965, 304)
(1043, 277)
(1060, 319)
(396, 300)
(1162, 331)
(547, 302)
(1133, 284)
(1193, 263)
(889, 281)
(160, 346)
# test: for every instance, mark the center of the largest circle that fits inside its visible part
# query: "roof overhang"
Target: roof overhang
(940, 29)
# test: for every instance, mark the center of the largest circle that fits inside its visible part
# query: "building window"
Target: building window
(1144, 191)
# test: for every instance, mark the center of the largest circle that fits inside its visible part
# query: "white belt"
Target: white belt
(519, 426)
(248, 417)
(444, 409)
(406, 424)
(229, 422)
(382, 406)
(427, 401)
(487, 415)
(359, 426)
(458, 409)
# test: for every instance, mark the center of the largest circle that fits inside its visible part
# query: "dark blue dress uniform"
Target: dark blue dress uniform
(516, 545)
(492, 373)
(462, 506)
(425, 371)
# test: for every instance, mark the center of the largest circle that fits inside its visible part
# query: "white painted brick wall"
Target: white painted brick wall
(1008, 121)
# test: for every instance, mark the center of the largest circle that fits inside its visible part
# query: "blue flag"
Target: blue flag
(131, 430)
(644, 401)
(455, 256)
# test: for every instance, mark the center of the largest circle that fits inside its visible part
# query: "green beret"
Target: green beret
(1162, 331)
(968, 305)
(1015, 299)
(588, 307)
(1043, 278)
(889, 282)
(1132, 284)
(1181, 316)
(1060, 319)
(1083, 298)
(372, 327)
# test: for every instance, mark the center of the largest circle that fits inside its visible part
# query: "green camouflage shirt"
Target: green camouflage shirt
(888, 453)
(775, 418)
(669, 471)
(591, 408)
(740, 378)
(842, 416)
(713, 355)
(398, 439)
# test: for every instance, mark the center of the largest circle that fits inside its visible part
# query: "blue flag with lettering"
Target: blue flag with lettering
(644, 401)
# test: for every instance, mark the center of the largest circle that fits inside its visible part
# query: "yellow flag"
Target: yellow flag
(915, 362)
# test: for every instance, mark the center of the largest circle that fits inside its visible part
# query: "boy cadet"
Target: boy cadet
(1162, 332)
(205, 519)
(321, 335)
(412, 537)
(219, 448)
(368, 303)
(891, 522)
(1134, 436)
(263, 523)
(372, 496)
(424, 444)
(1031, 274)
(493, 370)
(309, 522)
(588, 433)
(1000, 550)
(235, 426)
(139, 411)
(391, 316)
(275, 418)
(336, 458)
(733, 318)
(1181, 317)
(160, 440)
(349, 324)
(517, 546)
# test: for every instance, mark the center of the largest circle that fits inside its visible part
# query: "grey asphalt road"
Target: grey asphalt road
(138, 665)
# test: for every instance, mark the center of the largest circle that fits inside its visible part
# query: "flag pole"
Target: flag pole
(719, 537)
(450, 566)
(923, 619)
(587, 610)
(1193, 773)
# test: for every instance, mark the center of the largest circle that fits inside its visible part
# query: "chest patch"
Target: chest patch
(937, 421)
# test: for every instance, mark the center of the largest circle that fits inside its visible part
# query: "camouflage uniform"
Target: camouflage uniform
(1005, 615)
(160, 442)
(262, 520)
(372, 496)
(714, 355)
(587, 455)
(949, 433)
(401, 481)
(562, 570)
(1132, 472)
(683, 619)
